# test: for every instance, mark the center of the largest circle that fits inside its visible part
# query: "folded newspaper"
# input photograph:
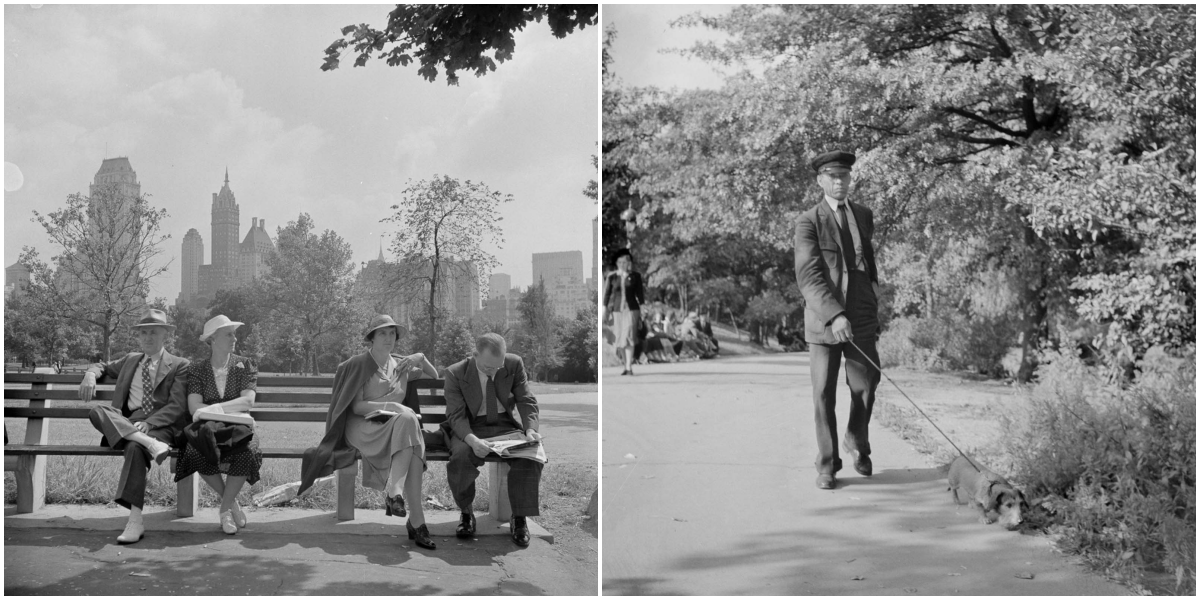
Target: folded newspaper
(514, 445)
(237, 418)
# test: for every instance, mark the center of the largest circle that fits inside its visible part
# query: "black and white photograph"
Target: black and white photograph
(898, 300)
(301, 300)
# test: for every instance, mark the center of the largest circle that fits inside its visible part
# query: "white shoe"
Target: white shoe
(239, 517)
(227, 524)
(160, 451)
(134, 530)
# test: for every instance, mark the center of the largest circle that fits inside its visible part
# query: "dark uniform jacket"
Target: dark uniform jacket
(821, 272)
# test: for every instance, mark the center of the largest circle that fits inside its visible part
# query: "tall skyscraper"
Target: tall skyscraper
(116, 186)
(192, 258)
(499, 284)
(226, 251)
(254, 251)
(548, 265)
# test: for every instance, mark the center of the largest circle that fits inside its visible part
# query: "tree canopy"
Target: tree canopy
(1050, 148)
(456, 37)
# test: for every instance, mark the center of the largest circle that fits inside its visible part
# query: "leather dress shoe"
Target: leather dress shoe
(466, 527)
(421, 535)
(862, 463)
(826, 481)
(520, 531)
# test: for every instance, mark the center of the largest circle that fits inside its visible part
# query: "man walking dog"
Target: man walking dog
(835, 269)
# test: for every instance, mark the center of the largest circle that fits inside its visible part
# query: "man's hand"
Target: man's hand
(87, 387)
(480, 447)
(841, 329)
(142, 427)
(533, 435)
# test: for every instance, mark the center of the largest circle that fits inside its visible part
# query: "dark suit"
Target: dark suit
(165, 412)
(463, 401)
(831, 288)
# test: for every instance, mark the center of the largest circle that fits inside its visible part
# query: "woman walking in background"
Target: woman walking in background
(390, 442)
(623, 299)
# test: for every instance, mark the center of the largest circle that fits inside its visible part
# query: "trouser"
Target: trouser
(131, 490)
(524, 475)
(861, 377)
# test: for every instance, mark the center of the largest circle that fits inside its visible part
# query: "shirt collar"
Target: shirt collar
(833, 204)
(155, 358)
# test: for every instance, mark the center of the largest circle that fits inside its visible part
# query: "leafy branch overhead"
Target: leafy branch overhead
(456, 37)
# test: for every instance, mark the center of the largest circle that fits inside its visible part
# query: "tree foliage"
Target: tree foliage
(107, 244)
(456, 37)
(1054, 143)
(308, 290)
(539, 339)
(443, 226)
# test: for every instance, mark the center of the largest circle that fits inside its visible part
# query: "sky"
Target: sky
(188, 91)
(644, 31)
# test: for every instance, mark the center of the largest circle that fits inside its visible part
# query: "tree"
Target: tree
(1047, 140)
(189, 325)
(454, 36)
(309, 289)
(444, 225)
(539, 338)
(108, 242)
(579, 345)
(34, 334)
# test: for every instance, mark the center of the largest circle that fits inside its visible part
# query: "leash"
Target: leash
(910, 400)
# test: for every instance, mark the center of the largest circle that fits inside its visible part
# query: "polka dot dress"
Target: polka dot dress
(201, 381)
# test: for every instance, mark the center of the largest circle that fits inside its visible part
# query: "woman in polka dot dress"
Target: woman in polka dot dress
(224, 383)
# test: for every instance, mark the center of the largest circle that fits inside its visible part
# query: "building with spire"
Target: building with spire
(233, 264)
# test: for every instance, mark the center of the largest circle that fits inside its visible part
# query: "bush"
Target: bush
(949, 341)
(1115, 469)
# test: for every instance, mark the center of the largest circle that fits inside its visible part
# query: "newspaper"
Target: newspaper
(514, 445)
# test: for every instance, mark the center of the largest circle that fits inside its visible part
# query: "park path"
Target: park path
(709, 489)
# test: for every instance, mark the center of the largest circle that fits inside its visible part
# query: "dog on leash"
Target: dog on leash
(996, 498)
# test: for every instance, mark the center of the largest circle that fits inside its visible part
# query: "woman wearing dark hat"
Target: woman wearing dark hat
(623, 299)
(223, 383)
(392, 445)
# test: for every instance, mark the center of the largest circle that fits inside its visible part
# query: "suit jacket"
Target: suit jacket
(168, 402)
(635, 294)
(821, 272)
(463, 396)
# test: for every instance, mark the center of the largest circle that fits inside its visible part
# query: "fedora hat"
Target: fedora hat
(379, 322)
(154, 318)
(216, 323)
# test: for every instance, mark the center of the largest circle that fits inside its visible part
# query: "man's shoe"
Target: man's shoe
(826, 481)
(133, 532)
(862, 463)
(160, 451)
(520, 531)
(466, 527)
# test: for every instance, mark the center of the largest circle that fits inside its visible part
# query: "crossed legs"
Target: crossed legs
(406, 475)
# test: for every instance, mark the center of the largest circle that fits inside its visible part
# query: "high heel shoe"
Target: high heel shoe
(421, 535)
(393, 506)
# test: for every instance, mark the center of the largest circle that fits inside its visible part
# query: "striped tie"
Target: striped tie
(147, 386)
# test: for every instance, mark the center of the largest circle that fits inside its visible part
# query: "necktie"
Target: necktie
(847, 239)
(491, 402)
(147, 388)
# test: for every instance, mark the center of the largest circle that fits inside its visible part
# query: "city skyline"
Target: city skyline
(185, 92)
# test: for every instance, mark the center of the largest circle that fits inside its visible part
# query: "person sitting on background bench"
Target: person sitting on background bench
(148, 410)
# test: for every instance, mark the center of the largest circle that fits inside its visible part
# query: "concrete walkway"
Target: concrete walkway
(709, 489)
(72, 550)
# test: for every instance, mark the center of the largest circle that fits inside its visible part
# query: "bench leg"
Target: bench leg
(31, 470)
(499, 507)
(31, 483)
(187, 496)
(345, 492)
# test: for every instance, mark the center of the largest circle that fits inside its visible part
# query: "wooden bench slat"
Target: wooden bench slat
(97, 450)
(292, 398)
(42, 394)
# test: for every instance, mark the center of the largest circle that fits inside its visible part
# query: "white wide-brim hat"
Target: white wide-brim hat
(216, 323)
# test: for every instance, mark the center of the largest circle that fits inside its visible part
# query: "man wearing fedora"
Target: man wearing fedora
(148, 410)
(835, 270)
(482, 394)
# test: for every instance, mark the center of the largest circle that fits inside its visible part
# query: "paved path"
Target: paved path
(371, 556)
(709, 489)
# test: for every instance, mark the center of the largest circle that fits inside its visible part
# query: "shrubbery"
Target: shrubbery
(948, 341)
(1114, 468)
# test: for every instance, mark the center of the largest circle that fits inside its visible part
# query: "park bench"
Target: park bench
(28, 460)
